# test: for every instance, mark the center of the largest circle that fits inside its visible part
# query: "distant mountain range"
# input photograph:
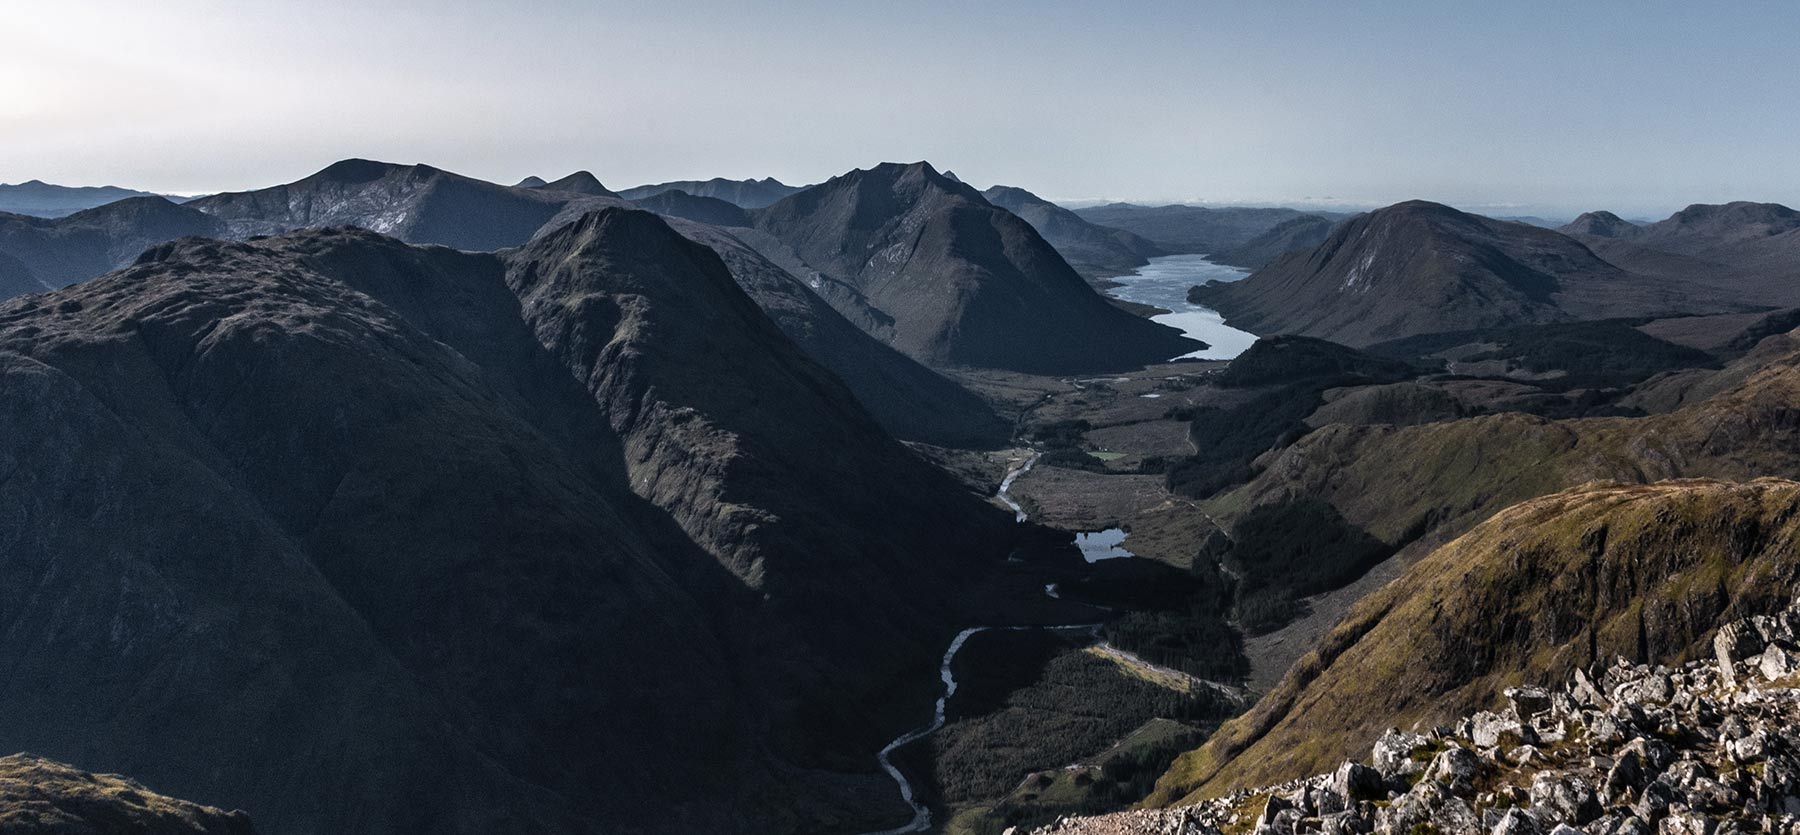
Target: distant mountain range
(1088, 247)
(1303, 232)
(37, 198)
(1192, 229)
(745, 194)
(421, 204)
(1748, 251)
(38, 254)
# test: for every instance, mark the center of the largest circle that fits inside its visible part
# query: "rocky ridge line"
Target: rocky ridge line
(1708, 748)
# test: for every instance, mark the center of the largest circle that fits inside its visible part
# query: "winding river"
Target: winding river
(921, 819)
(1164, 283)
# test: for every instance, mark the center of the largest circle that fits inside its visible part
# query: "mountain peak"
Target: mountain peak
(531, 182)
(356, 170)
(1600, 224)
(580, 182)
(1739, 211)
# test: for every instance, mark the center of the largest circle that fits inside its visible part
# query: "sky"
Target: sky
(1546, 108)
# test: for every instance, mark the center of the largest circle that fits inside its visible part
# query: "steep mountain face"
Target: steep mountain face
(964, 283)
(61, 251)
(710, 210)
(910, 401)
(1087, 247)
(1421, 267)
(373, 538)
(44, 797)
(746, 194)
(1645, 572)
(415, 203)
(1196, 229)
(37, 198)
(580, 182)
(1304, 232)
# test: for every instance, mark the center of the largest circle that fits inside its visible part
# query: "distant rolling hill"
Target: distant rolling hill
(1303, 232)
(746, 194)
(37, 198)
(708, 210)
(1746, 252)
(47, 253)
(1420, 267)
(1190, 229)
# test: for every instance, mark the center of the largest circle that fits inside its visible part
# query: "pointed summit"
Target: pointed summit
(965, 282)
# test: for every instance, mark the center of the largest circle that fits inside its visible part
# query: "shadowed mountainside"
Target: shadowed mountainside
(40, 199)
(1087, 247)
(39, 253)
(709, 210)
(1303, 232)
(342, 504)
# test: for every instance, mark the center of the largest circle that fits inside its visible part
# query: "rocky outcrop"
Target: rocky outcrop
(1710, 746)
(44, 797)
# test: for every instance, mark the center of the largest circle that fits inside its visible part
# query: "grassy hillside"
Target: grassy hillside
(1414, 486)
(1558, 582)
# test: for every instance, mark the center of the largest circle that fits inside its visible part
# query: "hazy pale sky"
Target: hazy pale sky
(1514, 107)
